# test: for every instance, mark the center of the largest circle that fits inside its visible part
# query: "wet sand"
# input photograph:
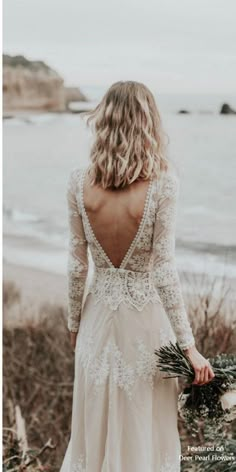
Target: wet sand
(36, 287)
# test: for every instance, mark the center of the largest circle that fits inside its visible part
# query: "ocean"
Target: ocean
(40, 150)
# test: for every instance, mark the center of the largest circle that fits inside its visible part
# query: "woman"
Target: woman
(123, 208)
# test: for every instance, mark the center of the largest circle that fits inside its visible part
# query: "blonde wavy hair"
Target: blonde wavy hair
(129, 140)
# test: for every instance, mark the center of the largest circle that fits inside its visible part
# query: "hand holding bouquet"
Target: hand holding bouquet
(202, 367)
(215, 399)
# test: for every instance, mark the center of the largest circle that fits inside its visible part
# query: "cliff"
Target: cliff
(33, 85)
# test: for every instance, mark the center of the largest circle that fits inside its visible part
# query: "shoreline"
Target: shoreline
(77, 108)
(37, 286)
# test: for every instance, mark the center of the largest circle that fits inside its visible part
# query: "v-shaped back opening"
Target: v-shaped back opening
(135, 239)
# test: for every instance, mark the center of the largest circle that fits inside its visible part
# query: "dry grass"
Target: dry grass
(38, 365)
(211, 308)
(38, 374)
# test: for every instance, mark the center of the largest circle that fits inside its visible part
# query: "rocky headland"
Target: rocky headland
(34, 86)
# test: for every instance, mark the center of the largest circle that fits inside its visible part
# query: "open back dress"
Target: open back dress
(124, 413)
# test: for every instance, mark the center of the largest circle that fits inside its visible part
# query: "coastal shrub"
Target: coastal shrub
(38, 368)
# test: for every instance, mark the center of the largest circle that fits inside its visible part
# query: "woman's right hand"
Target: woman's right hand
(202, 367)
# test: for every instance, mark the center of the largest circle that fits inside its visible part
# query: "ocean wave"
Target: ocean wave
(20, 224)
(206, 247)
(28, 232)
(16, 215)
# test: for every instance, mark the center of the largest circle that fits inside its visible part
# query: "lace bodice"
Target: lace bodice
(148, 270)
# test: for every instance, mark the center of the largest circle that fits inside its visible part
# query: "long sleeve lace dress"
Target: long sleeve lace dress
(124, 413)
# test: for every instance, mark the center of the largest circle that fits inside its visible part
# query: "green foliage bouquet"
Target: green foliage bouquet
(216, 400)
(207, 409)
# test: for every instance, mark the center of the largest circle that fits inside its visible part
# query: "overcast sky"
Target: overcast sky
(174, 45)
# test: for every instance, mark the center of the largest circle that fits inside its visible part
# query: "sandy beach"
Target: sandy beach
(37, 287)
(35, 236)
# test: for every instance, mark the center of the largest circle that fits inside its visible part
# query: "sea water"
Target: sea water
(40, 150)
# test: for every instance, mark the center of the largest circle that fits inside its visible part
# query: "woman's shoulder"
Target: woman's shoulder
(169, 182)
(76, 171)
(74, 176)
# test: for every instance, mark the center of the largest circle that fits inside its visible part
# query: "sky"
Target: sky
(176, 46)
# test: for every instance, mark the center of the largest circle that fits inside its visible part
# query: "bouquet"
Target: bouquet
(216, 400)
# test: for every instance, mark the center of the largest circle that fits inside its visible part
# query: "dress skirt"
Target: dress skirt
(124, 413)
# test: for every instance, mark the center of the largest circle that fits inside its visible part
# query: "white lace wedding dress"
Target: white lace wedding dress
(124, 413)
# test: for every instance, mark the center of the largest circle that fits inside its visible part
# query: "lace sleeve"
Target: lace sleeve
(77, 263)
(165, 271)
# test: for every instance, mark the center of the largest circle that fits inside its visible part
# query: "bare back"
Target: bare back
(115, 216)
(131, 237)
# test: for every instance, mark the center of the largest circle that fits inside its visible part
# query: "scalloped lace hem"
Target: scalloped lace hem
(114, 286)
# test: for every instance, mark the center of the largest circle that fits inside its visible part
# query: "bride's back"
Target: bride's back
(117, 192)
(115, 215)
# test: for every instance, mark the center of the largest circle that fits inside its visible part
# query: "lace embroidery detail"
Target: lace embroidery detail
(165, 271)
(169, 464)
(141, 233)
(182, 328)
(139, 260)
(77, 262)
(169, 295)
(97, 256)
(146, 363)
(166, 274)
(88, 228)
(111, 364)
(144, 241)
(75, 265)
(114, 286)
(166, 335)
(141, 257)
(79, 465)
(152, 251)
(164, 247)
